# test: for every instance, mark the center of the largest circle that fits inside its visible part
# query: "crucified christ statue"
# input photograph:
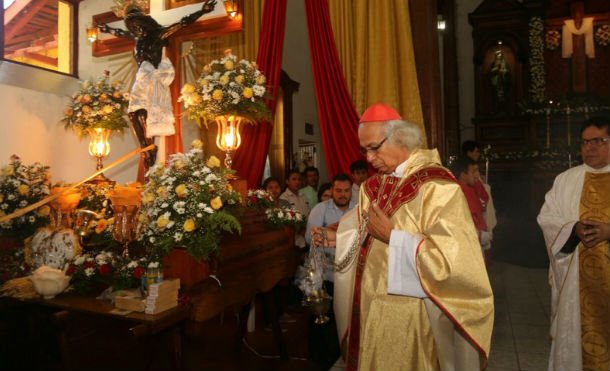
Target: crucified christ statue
(150, 109)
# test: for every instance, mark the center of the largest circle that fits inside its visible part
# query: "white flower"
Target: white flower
(208, 210)
(211, 178)
(153, 265)
(31, 219)
(80, 260)
(196, 173)
(11, 197)
(201, 205)
(258, 90)
(90, 272)
(170, 224)
(199, 215)
(280, 214)
(132, 264)
(177, 236)
(164, 205)
(4, 206)
(151, 239)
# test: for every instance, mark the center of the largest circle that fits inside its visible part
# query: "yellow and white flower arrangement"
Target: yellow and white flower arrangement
(227, 87)
(98, 104)
(189, 203)
(20, 186)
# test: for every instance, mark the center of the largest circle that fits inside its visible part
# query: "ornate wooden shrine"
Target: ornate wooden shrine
(541, 69)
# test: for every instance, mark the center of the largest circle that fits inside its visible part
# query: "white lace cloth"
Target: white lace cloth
(150, 91)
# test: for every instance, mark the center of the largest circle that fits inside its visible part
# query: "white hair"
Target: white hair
(403, 133)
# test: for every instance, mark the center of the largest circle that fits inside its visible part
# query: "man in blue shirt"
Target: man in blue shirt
(329, 212)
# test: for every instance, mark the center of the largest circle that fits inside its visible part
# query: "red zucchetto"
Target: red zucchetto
(379, 112)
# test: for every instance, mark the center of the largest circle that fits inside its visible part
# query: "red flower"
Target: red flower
(253, 199)
(104, 270)
(138, 272)
(89, 265)
(71, 269)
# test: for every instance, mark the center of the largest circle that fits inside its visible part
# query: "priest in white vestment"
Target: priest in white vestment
(575, 221)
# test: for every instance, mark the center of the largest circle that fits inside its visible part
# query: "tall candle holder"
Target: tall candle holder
(568, 123)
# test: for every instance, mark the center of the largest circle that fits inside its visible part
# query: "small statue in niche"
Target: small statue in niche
(500, 76)
(150, 109)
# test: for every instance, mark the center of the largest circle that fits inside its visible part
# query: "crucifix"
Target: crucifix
(577, 43)
(150, 108)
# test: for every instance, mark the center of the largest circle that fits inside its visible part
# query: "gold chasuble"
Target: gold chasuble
(594, 267)
(395, 332)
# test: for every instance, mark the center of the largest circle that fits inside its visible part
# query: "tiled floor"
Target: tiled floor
(520, 339)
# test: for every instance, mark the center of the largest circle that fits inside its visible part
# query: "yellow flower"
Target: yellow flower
(239, 79)
(148, 198)
(213, 161)
(247, 93)
(217, 94)
(179, 164)
(141, 218)
(162, 192)
(197, 144)
(204, 82)
(229, 187)
(207, 68)
(8, 170)
(86, 109)
(216, 203)
(101, 226)
(189, 225)
(117, 94)
(188, 89)
(43, 211)
(260, 79)
(107, 109)
(181, 190)
(229, 65)
(68, 112)
(162, 222)
(103, 97)
(23, 190)
(87, 98)
(224, 80)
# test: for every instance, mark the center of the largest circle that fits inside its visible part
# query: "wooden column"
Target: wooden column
(450, 78)
(425, 42)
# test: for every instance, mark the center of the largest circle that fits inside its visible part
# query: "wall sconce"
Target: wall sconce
(231, 8)
(440, 23)
(92, 34)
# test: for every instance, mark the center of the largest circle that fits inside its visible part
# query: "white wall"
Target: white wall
(465, 66)
(296, 62)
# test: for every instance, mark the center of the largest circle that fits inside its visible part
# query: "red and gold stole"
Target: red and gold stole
(390, 193)
(594, 266)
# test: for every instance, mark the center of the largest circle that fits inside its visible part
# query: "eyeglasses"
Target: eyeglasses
(372, 149)
(595, 142)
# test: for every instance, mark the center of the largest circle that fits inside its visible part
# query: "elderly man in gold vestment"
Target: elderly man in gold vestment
(411, 289)
(575, 220)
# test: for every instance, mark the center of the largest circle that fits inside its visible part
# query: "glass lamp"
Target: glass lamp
(99, 147)
(231, 8)
(92, 34)
(228, 138)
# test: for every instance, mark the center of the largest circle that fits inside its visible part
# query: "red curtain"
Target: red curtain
(336, 111)
(249, 161)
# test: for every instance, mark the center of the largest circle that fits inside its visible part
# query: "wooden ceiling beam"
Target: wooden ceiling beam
(22, 18)
(41, 58)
